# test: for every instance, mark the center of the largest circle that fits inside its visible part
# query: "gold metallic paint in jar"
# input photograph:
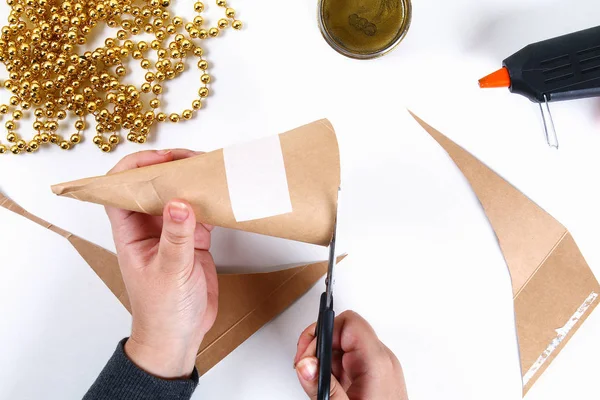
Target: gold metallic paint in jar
(364, 29)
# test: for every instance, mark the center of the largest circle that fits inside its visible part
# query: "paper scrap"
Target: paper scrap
(550, 278)
(246, 301)
(256, 179)
(561, 335)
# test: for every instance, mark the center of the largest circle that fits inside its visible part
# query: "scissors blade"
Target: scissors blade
(329, 281)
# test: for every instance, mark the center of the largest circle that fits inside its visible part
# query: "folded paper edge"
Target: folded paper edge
(278, 310)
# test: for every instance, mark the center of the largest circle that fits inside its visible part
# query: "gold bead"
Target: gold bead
(161, 117)
(221, 3)
(91, 107)
(202, 34)
(3, 109)
(61, 114)
(203, 64)
(187, 114)
(174, 117)
(155, 103)
(10, 125)
(138, 123)
(75, 138)
(17, 115)
(198, 51)
(203, 92)
(149, 116)
(141, 139)
(113, 139)
(198, 20)
(80, 125)
(230, 12)
(237, 24)
(223, 23)
(21, 144)
(186, 45)
(97, 140)
(198, 7)
(45, 137)
(205, 78)
(131, 137)
(15, 150)
(149, 76)
(11, 137)
(213, 32)
(33, 145)
(64, 145)
(146, 87)
(105, 147)
(157, 89)
(3, 149)
(54, 139)
(196, 104)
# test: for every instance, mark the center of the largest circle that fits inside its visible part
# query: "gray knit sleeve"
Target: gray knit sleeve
(121, 379)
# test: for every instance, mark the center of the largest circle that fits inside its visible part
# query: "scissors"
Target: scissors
(324, 329)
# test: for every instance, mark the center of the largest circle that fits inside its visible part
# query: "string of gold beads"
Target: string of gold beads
(51, 78)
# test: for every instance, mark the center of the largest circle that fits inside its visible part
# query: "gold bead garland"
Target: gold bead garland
(49, 77)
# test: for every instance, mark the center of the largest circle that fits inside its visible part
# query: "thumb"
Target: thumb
(176, 247)
(308, 375)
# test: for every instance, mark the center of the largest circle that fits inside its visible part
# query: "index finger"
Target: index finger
(151, 157)
(143, 159)
(306, 337)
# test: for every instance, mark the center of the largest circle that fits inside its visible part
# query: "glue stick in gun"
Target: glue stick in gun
(564, 68)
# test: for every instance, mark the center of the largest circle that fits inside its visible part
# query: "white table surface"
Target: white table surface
(424, 266)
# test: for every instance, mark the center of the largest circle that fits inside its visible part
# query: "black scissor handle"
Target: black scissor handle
(325, 347)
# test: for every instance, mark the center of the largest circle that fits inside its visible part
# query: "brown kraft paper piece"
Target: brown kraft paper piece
(554, 290)
(246, 301)
(312, 168)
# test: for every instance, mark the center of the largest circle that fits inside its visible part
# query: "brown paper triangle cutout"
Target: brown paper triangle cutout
(554, 289)
(246, 301)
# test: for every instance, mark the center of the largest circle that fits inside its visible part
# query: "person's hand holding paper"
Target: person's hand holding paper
(170, 277)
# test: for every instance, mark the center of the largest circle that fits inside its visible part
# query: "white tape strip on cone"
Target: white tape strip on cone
(256, 178)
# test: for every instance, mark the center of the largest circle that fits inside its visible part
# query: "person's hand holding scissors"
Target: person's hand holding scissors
(363, 367)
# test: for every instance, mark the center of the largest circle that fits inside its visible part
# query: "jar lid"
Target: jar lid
(364, 29)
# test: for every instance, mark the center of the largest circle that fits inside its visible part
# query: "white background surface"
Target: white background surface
(424, 267)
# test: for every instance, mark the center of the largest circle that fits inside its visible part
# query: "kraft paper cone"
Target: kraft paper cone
(312, 168)
(554, 289)
(246, 301)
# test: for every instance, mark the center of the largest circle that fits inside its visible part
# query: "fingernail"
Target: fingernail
(178, 211)
(307, 367)
(163, 152)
